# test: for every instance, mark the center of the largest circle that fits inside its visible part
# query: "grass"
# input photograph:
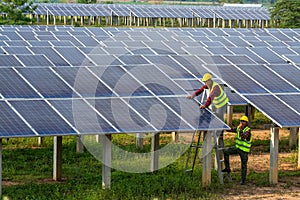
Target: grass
(30, 169)
(27, 173)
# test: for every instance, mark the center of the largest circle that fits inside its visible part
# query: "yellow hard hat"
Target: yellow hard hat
(206, 77)
(244, 118)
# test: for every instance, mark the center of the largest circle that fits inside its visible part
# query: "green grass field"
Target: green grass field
(27, 174)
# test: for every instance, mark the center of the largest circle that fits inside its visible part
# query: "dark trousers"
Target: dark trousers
(244, 160)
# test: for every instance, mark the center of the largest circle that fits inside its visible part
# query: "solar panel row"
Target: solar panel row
(152, 11)
(149, 63)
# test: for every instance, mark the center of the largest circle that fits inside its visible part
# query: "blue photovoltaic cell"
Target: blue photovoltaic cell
(267, 78)
(69, 38)
(234, 99)
(219, 50)
(121, 116)
(120, 81)
(192, 64)
(268, 55)
(13, 86)
(82, 116)
(84, 82)
(155, 81)
(275, 109)
(9, 60)
(212, 59)
(46, 82)
(289, 72)
(239, 59)
(200, 119)
(133, 60)
(42, 117)
(141, 51)
(189, 84)
(74, 56)
(11, 125)
(292, 100)
(55, 58)
(169, 66)
(16, 50)
(293, 58)
(238, 80)
(104, 60)
(34, 60)
(247, 52)
(16, 43)
(158, 114)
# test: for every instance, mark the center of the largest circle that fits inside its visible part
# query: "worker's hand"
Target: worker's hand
(202, 106)
(189, 97)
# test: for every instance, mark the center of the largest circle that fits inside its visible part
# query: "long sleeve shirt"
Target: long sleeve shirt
(214, 93)
(244, 136)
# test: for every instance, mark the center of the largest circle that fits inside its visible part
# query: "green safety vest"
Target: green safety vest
(241, 144)
(220, 100)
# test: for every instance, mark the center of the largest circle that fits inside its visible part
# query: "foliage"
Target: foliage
(286, 13)
(231, 1)
(87, 1)
(16, 9)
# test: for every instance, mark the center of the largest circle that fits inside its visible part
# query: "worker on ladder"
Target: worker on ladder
(217, 96)
(242, 147)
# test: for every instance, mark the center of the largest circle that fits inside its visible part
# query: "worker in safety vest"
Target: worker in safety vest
(217, 97)
(242, 147)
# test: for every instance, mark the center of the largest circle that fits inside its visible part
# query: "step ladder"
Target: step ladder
(193, 146)
(219, 151)
(219, 147)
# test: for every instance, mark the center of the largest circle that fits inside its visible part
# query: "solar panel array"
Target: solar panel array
(153, 11)
(63, 80)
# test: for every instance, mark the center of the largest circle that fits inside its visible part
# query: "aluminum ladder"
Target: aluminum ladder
(219, 157)
(193, 146)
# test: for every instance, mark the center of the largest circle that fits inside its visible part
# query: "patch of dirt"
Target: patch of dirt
(287, 188)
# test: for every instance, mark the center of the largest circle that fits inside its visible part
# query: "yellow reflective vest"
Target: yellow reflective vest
(244, 145)
(220, 100)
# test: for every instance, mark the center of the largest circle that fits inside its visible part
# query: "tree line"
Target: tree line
(284, 13)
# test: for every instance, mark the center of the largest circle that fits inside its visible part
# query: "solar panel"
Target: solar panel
(126, 122)
(46, 82)
(275, 109)
(82, 116)
(42, 118)
(12, 124)
(13, 86)
(34, 60)
(291, 100)
(153, 79)
(16, 50)
(83, 82)
(120, 81)
(198, 118)
(288, 72)
(9, 60)
(51, 54)
(268, 79)
(238, 79)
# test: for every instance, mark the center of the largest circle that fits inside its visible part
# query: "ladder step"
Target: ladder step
(196, 146)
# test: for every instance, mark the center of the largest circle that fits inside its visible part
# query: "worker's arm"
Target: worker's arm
(214, 93)
(246, 135)
(199, 91)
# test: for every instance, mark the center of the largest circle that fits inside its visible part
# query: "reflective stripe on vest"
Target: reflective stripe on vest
(220, 100)
(241, 144)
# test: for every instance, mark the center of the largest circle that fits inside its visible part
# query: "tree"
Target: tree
(286, 13)
(86, 1)
(15, 9)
